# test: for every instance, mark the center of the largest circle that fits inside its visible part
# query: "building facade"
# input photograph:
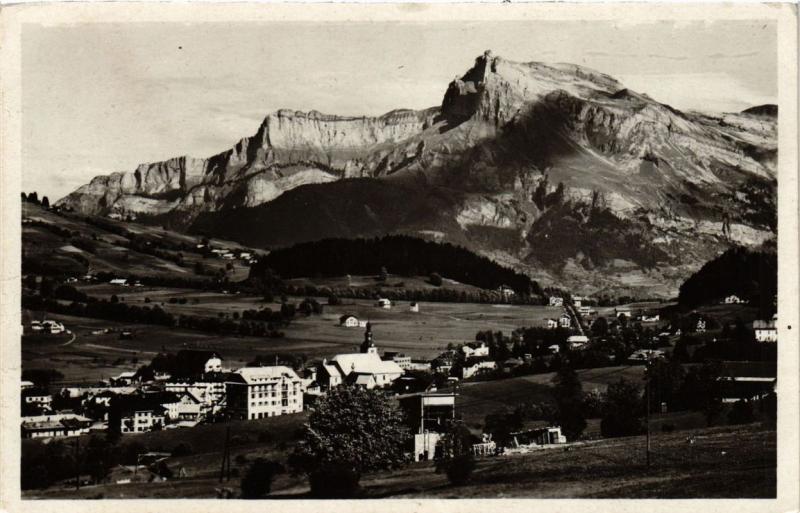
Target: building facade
(260, 392)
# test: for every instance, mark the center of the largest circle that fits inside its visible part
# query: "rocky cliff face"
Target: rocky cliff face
(557, 169)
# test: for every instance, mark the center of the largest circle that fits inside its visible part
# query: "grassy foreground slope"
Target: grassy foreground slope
(725, 462)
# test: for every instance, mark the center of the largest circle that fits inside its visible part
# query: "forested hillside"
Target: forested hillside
(396, 254)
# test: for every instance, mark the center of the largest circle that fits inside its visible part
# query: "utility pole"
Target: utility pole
(226, 458)
(647, 401)
(77, 464)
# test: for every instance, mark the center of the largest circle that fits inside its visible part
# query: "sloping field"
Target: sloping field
(727, 462)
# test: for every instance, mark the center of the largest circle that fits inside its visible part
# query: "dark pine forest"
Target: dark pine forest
(398, 254)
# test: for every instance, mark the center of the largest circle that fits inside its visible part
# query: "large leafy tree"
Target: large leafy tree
(665, 377)
(568, 393)
(351, 430)
(702, 390)
(622, 411)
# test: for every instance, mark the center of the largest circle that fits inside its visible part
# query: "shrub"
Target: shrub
(621, 414)
(334, 481)
(458, 462)
(257, 482)
(568, 393)
(459, 469)
(182, 449)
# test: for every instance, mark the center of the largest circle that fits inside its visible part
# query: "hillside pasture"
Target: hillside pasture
(724, 462)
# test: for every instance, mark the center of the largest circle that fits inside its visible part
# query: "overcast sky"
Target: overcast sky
(104, 97)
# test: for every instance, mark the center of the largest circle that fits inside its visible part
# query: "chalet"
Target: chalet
(328, 375)
(383, 303)
(348, 321)
(585, 310)
(259, 392)
(119, 281)
(244, 255)
(506, 292)
(623, 311)
(556, 301)
(733, 300)
(124, 378)
(554, 348)
(186, 406)
(474, 349)
(766, 331)
(651, 318)
(54, 327)
(54, 426)
(362, 380)
(538, 436)
(48, 326)
(701, 325)
(38, 397)
(26, 384)
(565, 321)
(577, 341)
(551, 324)
(472, 367)
(136, 413)
(444, 362)
(413, 307)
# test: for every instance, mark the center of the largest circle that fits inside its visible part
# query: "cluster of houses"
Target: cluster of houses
(131, 403)
(227, 254)
(47, 326)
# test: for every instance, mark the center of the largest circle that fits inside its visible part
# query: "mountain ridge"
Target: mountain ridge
(510, 142)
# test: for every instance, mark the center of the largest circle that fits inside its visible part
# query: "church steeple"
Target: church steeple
(368, 346)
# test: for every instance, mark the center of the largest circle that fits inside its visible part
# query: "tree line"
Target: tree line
(750, 275)
(400, 254)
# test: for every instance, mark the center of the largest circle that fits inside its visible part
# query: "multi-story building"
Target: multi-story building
(210, 389)
(403, 361)
(259, 392)
(429, 416)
